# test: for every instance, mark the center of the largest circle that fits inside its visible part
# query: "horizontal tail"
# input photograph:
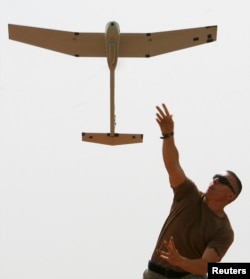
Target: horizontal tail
(109, 139)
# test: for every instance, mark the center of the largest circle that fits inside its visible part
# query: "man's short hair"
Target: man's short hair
(237, 180)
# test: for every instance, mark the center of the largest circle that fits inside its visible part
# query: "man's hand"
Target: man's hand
(164, 120)
(196, 266)
(172, 255)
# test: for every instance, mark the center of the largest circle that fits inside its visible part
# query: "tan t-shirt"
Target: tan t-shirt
(194, 226)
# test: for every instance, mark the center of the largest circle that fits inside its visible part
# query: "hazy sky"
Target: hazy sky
(71, 209)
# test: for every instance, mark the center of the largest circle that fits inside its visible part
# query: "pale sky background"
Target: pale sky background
(71, 209)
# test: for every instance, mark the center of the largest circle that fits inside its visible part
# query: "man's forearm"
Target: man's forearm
(170, 154)
(195, 266)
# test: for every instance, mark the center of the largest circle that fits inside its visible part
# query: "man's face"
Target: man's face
(222, 185)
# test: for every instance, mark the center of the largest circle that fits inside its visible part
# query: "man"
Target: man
(197, 230)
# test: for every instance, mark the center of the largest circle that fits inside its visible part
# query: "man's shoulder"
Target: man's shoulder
(187, 189)
(186, 184)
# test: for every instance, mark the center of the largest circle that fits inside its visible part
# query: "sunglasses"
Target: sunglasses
(223, 180)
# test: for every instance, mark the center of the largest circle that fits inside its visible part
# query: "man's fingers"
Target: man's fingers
(171, 243)
(165, 109)
(159, 116)
(164, 257)
(163, 112)
(163, 254)
(160, 112)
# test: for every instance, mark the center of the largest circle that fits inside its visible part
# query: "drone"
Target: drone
(112, 44)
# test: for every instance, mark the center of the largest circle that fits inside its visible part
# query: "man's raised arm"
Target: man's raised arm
(170, 152)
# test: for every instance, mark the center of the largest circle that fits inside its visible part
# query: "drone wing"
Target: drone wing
(72, 43)
(131, 44)
(152, 44)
